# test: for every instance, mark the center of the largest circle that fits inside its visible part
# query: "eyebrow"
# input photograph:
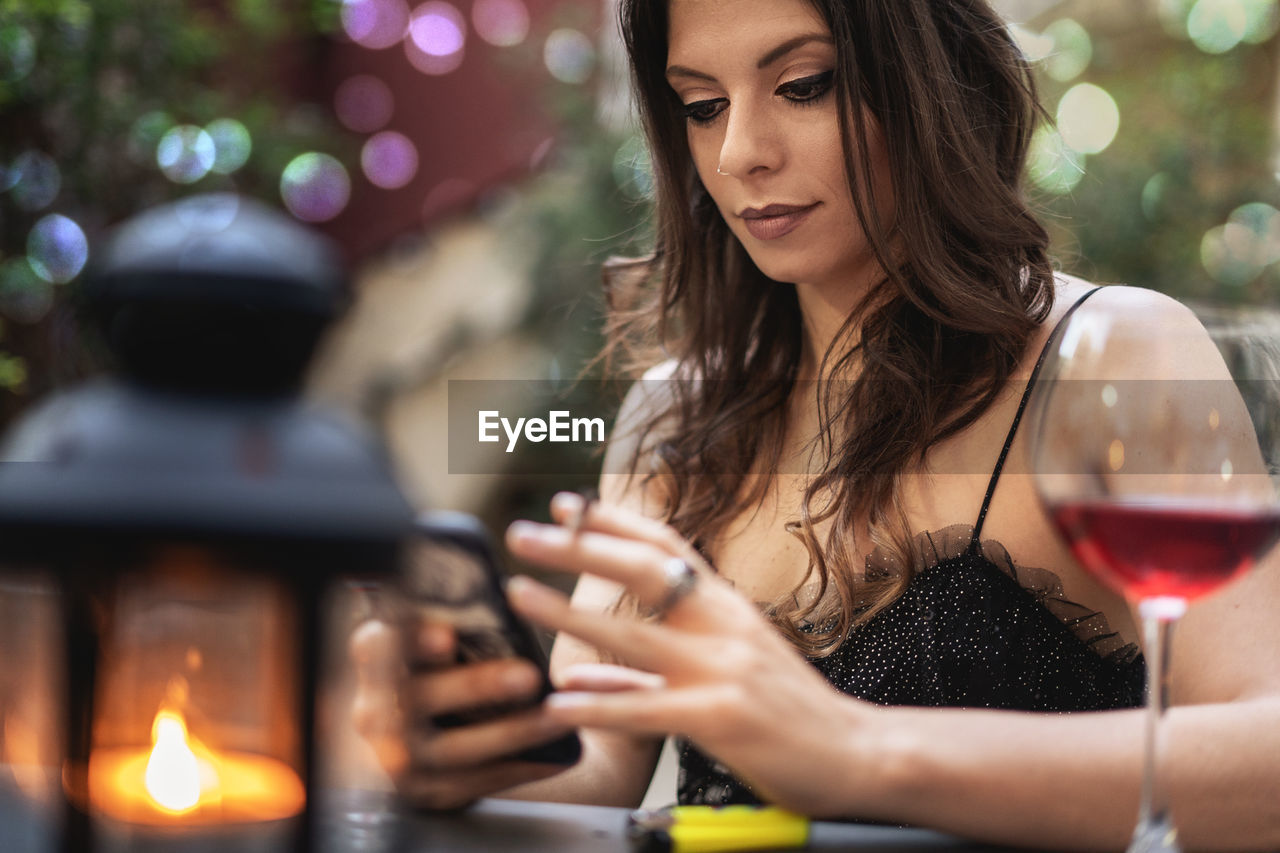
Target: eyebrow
(764, 62)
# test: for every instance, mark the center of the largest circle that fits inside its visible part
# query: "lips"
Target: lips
(775, 220)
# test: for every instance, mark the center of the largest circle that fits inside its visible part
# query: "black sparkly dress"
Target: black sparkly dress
(972, 630)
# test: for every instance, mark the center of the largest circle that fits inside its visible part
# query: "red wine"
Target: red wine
(1166, 548)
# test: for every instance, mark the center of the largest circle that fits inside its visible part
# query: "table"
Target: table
(529, 827)
(368, 822)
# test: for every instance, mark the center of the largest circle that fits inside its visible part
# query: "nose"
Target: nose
(751, 143)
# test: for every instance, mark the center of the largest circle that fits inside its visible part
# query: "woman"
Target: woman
(854, 296)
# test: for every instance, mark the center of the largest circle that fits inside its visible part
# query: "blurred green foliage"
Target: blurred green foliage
(1197, 140)
(91, 87)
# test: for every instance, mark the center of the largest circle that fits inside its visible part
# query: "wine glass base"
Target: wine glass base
(1156, 834)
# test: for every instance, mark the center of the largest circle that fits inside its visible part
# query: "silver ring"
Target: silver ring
(680, 579)
(720, 171)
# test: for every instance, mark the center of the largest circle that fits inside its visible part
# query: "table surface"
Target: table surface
(511, 825)
(368, 822)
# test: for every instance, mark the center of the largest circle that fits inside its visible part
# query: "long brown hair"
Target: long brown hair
(929, 347)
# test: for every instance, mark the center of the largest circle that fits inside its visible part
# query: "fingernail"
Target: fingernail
(568, 701)
(522, 531)
(567, 503)
(523, 590)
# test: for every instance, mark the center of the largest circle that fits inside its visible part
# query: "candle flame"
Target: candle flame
(173, 775)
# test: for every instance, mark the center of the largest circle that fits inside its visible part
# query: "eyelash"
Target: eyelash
(803, 92)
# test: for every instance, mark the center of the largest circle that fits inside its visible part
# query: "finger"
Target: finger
(651, 712)
(639, 566)
(375, 708)
(620, 521)
(374, 648)
(481, 743)
(460, 788)
(632, 563)
(607, 677)
(493, 682)
(379, 725)
(643, 645)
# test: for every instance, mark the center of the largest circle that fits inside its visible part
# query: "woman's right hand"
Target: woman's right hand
(401, 686)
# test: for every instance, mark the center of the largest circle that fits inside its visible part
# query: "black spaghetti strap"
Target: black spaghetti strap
(1017, 418)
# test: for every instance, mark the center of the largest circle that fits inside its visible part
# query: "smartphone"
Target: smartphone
(453, 577)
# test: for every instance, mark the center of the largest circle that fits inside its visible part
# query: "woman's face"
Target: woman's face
(756, 79)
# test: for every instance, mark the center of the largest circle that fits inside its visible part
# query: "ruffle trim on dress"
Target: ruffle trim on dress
(933, 548)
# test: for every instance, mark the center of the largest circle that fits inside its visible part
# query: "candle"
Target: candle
(180, 792)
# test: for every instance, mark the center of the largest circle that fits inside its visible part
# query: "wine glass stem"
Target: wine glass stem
(1155, 828)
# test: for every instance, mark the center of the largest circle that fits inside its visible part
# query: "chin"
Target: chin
(788, 271)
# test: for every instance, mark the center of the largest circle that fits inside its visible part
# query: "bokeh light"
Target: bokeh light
(1263, 221)
(1216, 26)
(438, 29)
(57, 249)
(1225, 252)
(145, 135)
(34, 180)
(1088, 118)
(1262, 20)
(1236, 252)
(315, 187)
(633, 169)
(1072, 50)
(1153, 192)
(1053, 166)
(1034, 46)
(504, 23)
(375, 24)
(232, 144)
(363, 103)
(569, 56)
(186, 153)
(24, 295)
(389, 160)
(17, 53)
(437, 37)
(1173, 16)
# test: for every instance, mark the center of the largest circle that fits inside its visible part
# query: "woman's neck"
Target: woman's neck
(823, 310)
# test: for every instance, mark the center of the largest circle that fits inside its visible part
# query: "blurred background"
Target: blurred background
(476, 161)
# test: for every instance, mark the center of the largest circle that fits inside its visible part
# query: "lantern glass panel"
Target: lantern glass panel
(198, 701)
(359, 720)
(30, 711)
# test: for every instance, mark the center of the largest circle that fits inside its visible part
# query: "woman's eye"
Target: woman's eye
(807, 88)
(702, 112)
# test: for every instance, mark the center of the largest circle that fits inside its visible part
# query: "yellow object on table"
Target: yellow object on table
(713, 829)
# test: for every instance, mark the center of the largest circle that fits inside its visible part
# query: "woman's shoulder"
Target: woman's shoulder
(1157, 336)
(649, 396)
(1122, 302)
(640, 425)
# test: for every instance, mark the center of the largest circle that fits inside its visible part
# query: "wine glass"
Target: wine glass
(1155, 448)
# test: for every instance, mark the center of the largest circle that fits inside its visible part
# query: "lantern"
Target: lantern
(171, 540)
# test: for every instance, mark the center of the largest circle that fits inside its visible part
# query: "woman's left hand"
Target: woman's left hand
(710, 668)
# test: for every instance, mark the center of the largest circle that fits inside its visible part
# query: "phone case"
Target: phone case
(454, 577)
